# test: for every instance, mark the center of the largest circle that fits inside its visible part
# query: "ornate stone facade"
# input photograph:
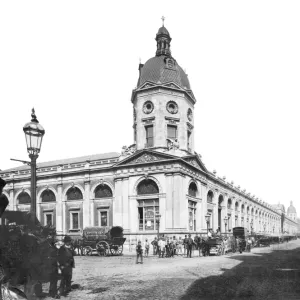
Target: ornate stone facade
(159, 182)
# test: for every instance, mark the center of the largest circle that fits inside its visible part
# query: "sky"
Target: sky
(76, 63)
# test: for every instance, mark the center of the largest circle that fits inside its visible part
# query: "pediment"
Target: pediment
(145, 157)
(146, 85)
(196, 162)
(172, 85)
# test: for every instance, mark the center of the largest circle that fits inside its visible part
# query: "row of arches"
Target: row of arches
(73, 193)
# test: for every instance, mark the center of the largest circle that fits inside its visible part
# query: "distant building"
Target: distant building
(159, 182)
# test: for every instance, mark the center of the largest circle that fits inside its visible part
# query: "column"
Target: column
(215, 212)
(180, 202)
(12, 204)
(59, 208)
(125, 210)
(169, 203)
(203, 206)
(118, 206)
(86, 204)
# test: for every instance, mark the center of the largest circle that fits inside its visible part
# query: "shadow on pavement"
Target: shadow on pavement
(273, 275)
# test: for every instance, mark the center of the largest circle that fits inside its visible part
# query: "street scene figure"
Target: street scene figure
(66, 264)
(189, 244)
(154, 244)
(139, 253)
(147, 247)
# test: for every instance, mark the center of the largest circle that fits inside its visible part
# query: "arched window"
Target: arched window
(229, 203)
(248, 210)
(24, 198)
(74, 193)
(243, 208)
(220, 200)
(236, 206)
(48, 196)
(210, 197)
(103, 191)
(193, 189)
(147, 186)
(252, 211)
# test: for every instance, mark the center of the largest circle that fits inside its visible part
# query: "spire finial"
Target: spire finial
(33, 116)
(163, 21)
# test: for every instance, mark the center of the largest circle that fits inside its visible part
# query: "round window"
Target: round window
(190, 114)
(148, 107)
(172, 107)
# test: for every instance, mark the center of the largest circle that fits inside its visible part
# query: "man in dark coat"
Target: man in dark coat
(54, 267)
(189, 245)
(66, 263)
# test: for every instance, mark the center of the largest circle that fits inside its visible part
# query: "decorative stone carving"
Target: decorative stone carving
(193, 162)
(144, 158)
(172, 107)
(148, 107)
(172, 144)
(127, 151)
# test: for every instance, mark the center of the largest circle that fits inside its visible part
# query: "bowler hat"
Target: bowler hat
(67, 239)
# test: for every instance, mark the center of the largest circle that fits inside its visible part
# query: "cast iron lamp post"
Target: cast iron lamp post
(225, 222)
(207, 217)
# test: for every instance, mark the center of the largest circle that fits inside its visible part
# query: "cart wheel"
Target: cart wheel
(38, 289)
(116, 250)
(87, 250)
(102, 248)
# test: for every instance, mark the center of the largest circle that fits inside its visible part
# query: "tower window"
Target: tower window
(172, 132)
(189, 140)
(149, 136)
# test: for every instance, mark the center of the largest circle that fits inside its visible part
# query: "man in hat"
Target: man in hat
(189, 244)
(53, 267)
(3, 199)
(66, 263)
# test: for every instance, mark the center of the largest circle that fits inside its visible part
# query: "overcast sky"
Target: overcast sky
(76, 63)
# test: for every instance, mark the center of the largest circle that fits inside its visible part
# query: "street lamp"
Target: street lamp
(207, 217)
(158, 216)
(34, 133)
(225, 222)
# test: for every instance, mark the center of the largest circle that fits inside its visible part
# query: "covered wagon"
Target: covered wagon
(103, 240)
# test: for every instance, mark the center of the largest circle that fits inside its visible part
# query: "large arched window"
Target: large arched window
(220, 201)
(229, 204)
(236, 206)
(48, 196)
(248, 210)
(243, 208)
(146, 187)
(24, 198)
(210, 197)
(193, 189)
(74, 193)
(103, 191)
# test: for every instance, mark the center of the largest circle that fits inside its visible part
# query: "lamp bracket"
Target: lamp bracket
(22, 161)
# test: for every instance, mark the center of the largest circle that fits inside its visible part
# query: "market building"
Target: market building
(157, 183)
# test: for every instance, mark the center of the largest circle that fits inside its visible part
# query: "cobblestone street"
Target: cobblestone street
(182, 278)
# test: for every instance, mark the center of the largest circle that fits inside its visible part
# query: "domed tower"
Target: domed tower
(291, 212)
(163, 103)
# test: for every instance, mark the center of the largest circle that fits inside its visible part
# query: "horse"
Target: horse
(77, 244)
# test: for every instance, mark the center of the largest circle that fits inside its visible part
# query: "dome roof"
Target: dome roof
(163, 30)
(155, 70)
(291, 209)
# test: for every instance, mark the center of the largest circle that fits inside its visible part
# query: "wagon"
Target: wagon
(240, 233)
(215, 246)
(103, 240)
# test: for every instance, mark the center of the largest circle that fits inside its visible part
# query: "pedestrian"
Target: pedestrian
(185, 244)
(175, 245)
(154, 243)
(53, 255)
(139, 252)
(66, 264)
(147, 246)
(161, 247)
(180, 246)
(189, 244)
(249, 244)
(196, 241)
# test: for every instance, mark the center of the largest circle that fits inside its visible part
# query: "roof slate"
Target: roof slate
(74, 160)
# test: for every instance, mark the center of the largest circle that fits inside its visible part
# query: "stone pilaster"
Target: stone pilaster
(118, 205)
(169, 202)
(86, 204)
(59, 208)
(180, 203)
(125, 204)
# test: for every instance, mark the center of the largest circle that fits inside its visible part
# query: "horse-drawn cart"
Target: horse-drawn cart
(103, 240)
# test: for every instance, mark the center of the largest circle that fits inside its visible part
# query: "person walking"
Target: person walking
(147, 246)
(189, 244)
(161, 247)
(154, 243)
(180, 246)
(66, 264)
(139, 252)
(53, 292)
(185, 244)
